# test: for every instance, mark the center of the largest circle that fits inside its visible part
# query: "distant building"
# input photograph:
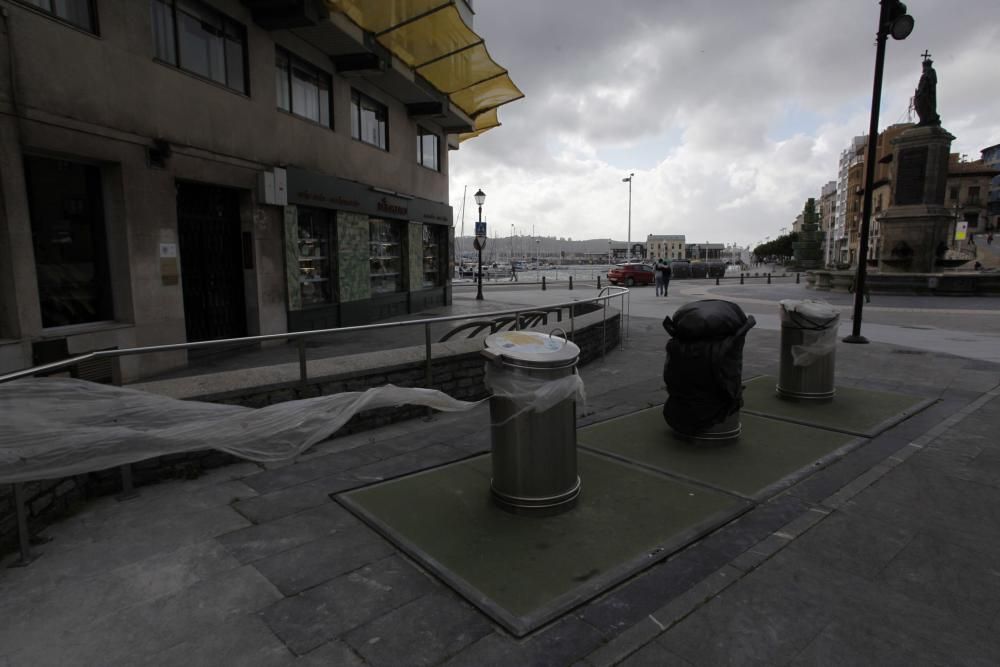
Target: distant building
(850, 157)
(670, 246)
(705, 251)
(991, 157)
(827, 205)
(968, 192)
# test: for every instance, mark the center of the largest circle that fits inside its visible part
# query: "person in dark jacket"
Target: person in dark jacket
(663, 272)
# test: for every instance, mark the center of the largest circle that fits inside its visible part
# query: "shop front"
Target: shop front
(355, 253)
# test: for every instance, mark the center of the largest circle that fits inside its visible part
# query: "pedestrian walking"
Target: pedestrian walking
(658, 277)
(663, 273)
(513, 273)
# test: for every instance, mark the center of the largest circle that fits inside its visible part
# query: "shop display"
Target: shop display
(385, 257)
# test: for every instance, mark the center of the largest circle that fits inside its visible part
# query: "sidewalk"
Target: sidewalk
(886, 555)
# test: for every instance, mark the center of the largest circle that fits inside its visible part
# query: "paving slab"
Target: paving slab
(446, 520)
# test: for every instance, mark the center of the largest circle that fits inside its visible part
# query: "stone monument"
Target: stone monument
(807, 250)
(915, 229)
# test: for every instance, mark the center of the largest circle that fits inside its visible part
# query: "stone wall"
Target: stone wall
(457, 369)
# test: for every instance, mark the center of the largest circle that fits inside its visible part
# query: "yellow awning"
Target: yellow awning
(484, 121)
(431, 37)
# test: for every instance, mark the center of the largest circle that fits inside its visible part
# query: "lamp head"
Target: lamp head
(900, 23)
(480, 197)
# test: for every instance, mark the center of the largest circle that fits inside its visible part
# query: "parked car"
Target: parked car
(631, 274)
(680, 268)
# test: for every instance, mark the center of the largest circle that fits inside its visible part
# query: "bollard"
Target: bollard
(796, 278)
(769, 279)
(543, 283)
(741, 278)
(716, 280)
(598, 282)
(571, 282)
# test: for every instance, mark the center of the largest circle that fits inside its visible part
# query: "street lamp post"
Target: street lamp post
(628, 180)
(893, 20)
(480, 241)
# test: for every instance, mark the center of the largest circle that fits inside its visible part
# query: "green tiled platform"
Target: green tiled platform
(857, 411)
(524, 571)
(769, 453)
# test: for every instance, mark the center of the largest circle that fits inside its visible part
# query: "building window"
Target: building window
(433, 239)
(369, 120)
(80, 13)
(68, 236)
(302, 89)
(200, 40)
(427, 149)
(314, 250)
(974, 195)
(953, 193)
(385, 256)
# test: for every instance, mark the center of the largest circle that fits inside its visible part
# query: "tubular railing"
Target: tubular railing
(300, 337)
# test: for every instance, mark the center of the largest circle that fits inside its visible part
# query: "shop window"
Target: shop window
(369, 120)
(316, 245)
(80, 13)
(68, 236)
(302, 89)
(385, 256)
(428, 149)
(433, 254)
(198, 39)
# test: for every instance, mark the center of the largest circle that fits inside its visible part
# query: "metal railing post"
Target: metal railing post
(22, 527)
(604, 327)
(303, 378)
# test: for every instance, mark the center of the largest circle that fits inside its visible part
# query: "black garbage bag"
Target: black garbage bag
(704, 366)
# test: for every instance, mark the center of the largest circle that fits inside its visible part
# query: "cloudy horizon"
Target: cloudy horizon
(729, 117)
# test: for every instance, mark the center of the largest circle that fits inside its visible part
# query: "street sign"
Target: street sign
(479, 242)
(960, 230)
(481, 229)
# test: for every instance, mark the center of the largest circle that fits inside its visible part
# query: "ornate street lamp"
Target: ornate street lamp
(479, 242)
(893, 20)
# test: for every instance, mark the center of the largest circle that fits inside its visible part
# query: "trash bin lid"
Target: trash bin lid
(533, 346)
(808, 311)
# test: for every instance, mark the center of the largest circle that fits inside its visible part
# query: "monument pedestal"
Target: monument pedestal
(914, 238)
(915, 231)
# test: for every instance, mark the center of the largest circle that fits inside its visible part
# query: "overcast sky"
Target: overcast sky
(730, 112)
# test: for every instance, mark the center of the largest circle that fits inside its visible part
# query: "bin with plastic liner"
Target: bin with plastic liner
(533, 421)
(704, 369)
(808, 349)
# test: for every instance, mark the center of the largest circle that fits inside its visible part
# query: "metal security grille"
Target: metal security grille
(208, 229)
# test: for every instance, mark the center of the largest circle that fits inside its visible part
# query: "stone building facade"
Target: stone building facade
(184, 170)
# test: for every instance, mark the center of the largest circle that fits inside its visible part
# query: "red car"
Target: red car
(631, 274)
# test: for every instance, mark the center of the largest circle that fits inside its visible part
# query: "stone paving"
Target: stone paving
(886, 555)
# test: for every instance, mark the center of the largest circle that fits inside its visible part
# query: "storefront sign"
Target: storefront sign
(961, 230)
(312, 189)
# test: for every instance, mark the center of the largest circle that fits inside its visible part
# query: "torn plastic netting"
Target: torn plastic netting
(55, 427)
(532, 393)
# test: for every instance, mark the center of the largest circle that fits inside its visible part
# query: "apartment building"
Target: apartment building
(186, 170)
(669, 246)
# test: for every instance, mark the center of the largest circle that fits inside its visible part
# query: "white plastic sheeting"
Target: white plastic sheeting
(55, 427)
(818, 321)
(531, 392)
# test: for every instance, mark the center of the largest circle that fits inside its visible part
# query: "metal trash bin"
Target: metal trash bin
(533, 452)
(808, 350)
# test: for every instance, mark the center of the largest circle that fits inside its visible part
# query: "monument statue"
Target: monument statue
(925, 97)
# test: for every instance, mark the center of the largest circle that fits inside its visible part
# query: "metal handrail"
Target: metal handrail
(297, 336)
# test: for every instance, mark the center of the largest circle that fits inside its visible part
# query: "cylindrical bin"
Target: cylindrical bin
(808, 350)
(533, 421)
(703, 371)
